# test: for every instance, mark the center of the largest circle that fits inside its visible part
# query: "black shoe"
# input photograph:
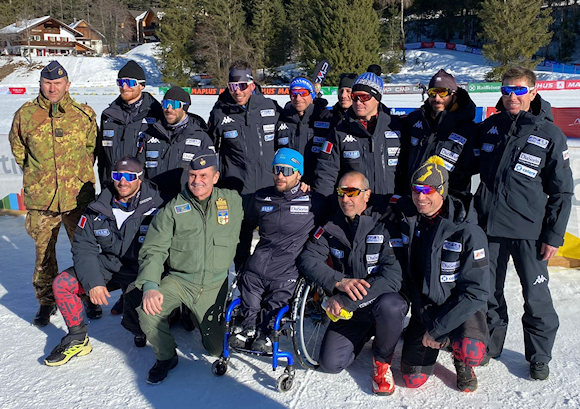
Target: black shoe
(140, 340)
(118, 307)
(263, 343)
(94, 311)
(71, 345)
(187, 319)
(466, 379)
(160, 370)
(42, 317)
(539, 371)
(243, 339)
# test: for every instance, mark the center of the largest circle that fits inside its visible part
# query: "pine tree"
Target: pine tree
(513, 31)
(267, 20)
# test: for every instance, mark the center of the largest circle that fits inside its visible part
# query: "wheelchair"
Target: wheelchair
(304, 321)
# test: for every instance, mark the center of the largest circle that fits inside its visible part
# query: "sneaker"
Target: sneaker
(539, 371)
(243, 339)
(263, 344)
(42, 317)
(93, 311)
(160, 370)
(70, 345)
(466, 379)
(140, 340)
(383, 382)
(118, 307)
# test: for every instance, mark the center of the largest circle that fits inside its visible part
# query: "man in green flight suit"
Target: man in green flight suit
(53, 140)
(195, 236)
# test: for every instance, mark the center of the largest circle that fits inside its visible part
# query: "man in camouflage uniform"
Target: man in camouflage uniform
(53, 140)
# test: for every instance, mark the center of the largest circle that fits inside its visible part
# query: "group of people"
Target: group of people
(373, 208)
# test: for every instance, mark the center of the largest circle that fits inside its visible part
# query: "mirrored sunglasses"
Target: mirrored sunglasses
(425, 189)
(129, 82)
(518, 90)
(174, 104)
(361, 96)
(299, 91)
(285, 170)
(234, 86)
(442, 92)
(349, 191)
(128, 176)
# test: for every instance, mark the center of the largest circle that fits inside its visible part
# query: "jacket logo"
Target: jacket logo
(530, 159)
(452, 156)
(319, 139)
(493, 131)
(269, 128)
(536, 140)
(375, 238)
(153, 140)
(82, 222)
(107, 143)
(351, 154)
(109, 133)
(565, 155)
(102, 232)
(540, 279)
(227, 120)
(267, 112)
(152, 154)
(283, 141)
(457, 138)
(452, 246)
(418, 125)
(182, 208)
(478, 254)
(337, 253)
(151, 164)
(149, 120)
(449, 265)
(392, 162)
(143, 228)
(283, 127)
(487, 147)
(187, 157)
(267, 209)
(448, 278)
(524, 170)
(269, 137)
(299, 209)
(321, 124)
(393, 151)
(372, 258)
(327, 147)
(349, 138)
(414, 141)
(392, 134)
(318, 233)
(231, 134)
(193, 141)
(396, 242)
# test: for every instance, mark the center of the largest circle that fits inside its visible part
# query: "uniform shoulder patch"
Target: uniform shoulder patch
(318, 233)
(82, 221)
(183, 208)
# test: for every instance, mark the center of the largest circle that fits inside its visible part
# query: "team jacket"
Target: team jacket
(191, 243)
(285, 221)
(526, 181)
(244, 138)
(455, 281)
(369, 255)
(304, 134)
(122, 128)
(451, 135)
(100, 249)
(168, 151)
(351, 147)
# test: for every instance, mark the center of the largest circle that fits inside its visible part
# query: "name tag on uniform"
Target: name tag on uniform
(337, 253)
(321, 124)
(267, 112)
(448, 278)
(452, 246)
(372, 258)
(109, 133)
(530, 159)
(536, 140)
(187, 156)
(452, 156)
(184, 208)
(107, 143)
(392, 134)
(299, 209)
(269, 127)
(457, 138)
(102, 232)
(193, 141)
(351, 154)
(230, 134)
(375, 238)
(524, 170)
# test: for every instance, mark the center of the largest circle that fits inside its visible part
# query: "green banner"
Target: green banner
(163, 90)
(329, 90)
(484, 87)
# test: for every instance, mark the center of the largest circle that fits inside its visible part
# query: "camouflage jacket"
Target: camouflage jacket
(55, 149)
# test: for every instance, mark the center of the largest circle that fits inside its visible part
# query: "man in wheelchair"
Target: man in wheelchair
(363, 276)
(267, 283)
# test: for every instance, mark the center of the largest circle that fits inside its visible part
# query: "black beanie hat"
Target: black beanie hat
(443, 80)
(347, 80)
(375, 69)
(132, 70)
(178, 94)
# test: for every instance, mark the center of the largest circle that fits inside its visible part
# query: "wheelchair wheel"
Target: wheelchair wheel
(309, 322)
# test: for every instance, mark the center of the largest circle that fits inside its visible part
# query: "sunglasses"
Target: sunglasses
(361, 96)
(129, 82)
(516, 89)
(299, 91)
(128, 176)
(174, 104)
(426, 190)
(349, 191)
(234, 86)
(442, 92)
(285, 170)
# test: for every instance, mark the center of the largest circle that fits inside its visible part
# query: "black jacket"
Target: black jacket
(244, 138)
(451, 134)
(285, 221)
(121, 131)
(304, 134)
(351, 147)
(359, 249)
(100, 249)
(526, 182)
(454, 281)
(168, 151)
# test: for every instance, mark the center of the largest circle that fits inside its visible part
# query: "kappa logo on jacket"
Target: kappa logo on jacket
(493, 131)
(227, 120)
(418, 125)
(349, 138)
(283, 127)
(153, 140)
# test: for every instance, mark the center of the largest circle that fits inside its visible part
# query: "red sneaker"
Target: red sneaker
(383, 382)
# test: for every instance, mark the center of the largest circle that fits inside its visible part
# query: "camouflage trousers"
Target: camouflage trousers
(43, 227)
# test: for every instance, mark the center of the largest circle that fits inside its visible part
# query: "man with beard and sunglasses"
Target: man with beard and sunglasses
(443, 126)
(367, 140)
(105, 251)
(242, 125)
(523, 203)
(353, 259)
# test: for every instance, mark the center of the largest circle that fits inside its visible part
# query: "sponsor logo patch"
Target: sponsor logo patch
(283, 126)
(457, 138)
(266, 209)
(449, 265)
(230, 134)
(187, 156)
(102, 232)
(405, 238)
(302, 199)
(315, 149)
(393, 151)
(283, 141)
(536, 140)
(183, 208)
(372, 269)
(448, 166)
(299, 209)
(351, 154)
(349, 138)
(267, 112)
(149, 120)
(107, 143)
(319, 140)
(152, 154)
(269, 128)
(143, 229)
(153, 140)
(269, 137)
(452, 246)
(375, 238)
(337, 253)
(487, 147)
(448, 278)
(478, 254)
(193, 141)
(493, 131)
(151, 164)
(476, 152)
(565, 155)
(392, 162)
(396, 242)
(372, 258)
(227, 120)
(414, 141)
(109, 133)
(418, 125)
(141, 239)
(452, 156)
(524, 170)
(321, 124)
(530, 159)
(392, 134)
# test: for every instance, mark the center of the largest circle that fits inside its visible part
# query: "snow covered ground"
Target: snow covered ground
(113, 375)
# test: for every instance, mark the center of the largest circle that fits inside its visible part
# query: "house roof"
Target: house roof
(76, 23)
(19, 27)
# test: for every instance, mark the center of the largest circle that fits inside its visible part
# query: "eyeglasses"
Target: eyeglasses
(129, 82)
(349, 191)
(234, 86)
(425, 189)
(516, 89)
(128, 176)
(299, 91)
(285, 170)
(174, 104)
(442, 92)
(361, 96)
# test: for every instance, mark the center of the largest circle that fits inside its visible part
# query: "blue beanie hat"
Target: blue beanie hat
(289, 157)
(300, 82)
(371, 83)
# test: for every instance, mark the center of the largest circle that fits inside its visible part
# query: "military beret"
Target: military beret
(53, 71)
(203, 159)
